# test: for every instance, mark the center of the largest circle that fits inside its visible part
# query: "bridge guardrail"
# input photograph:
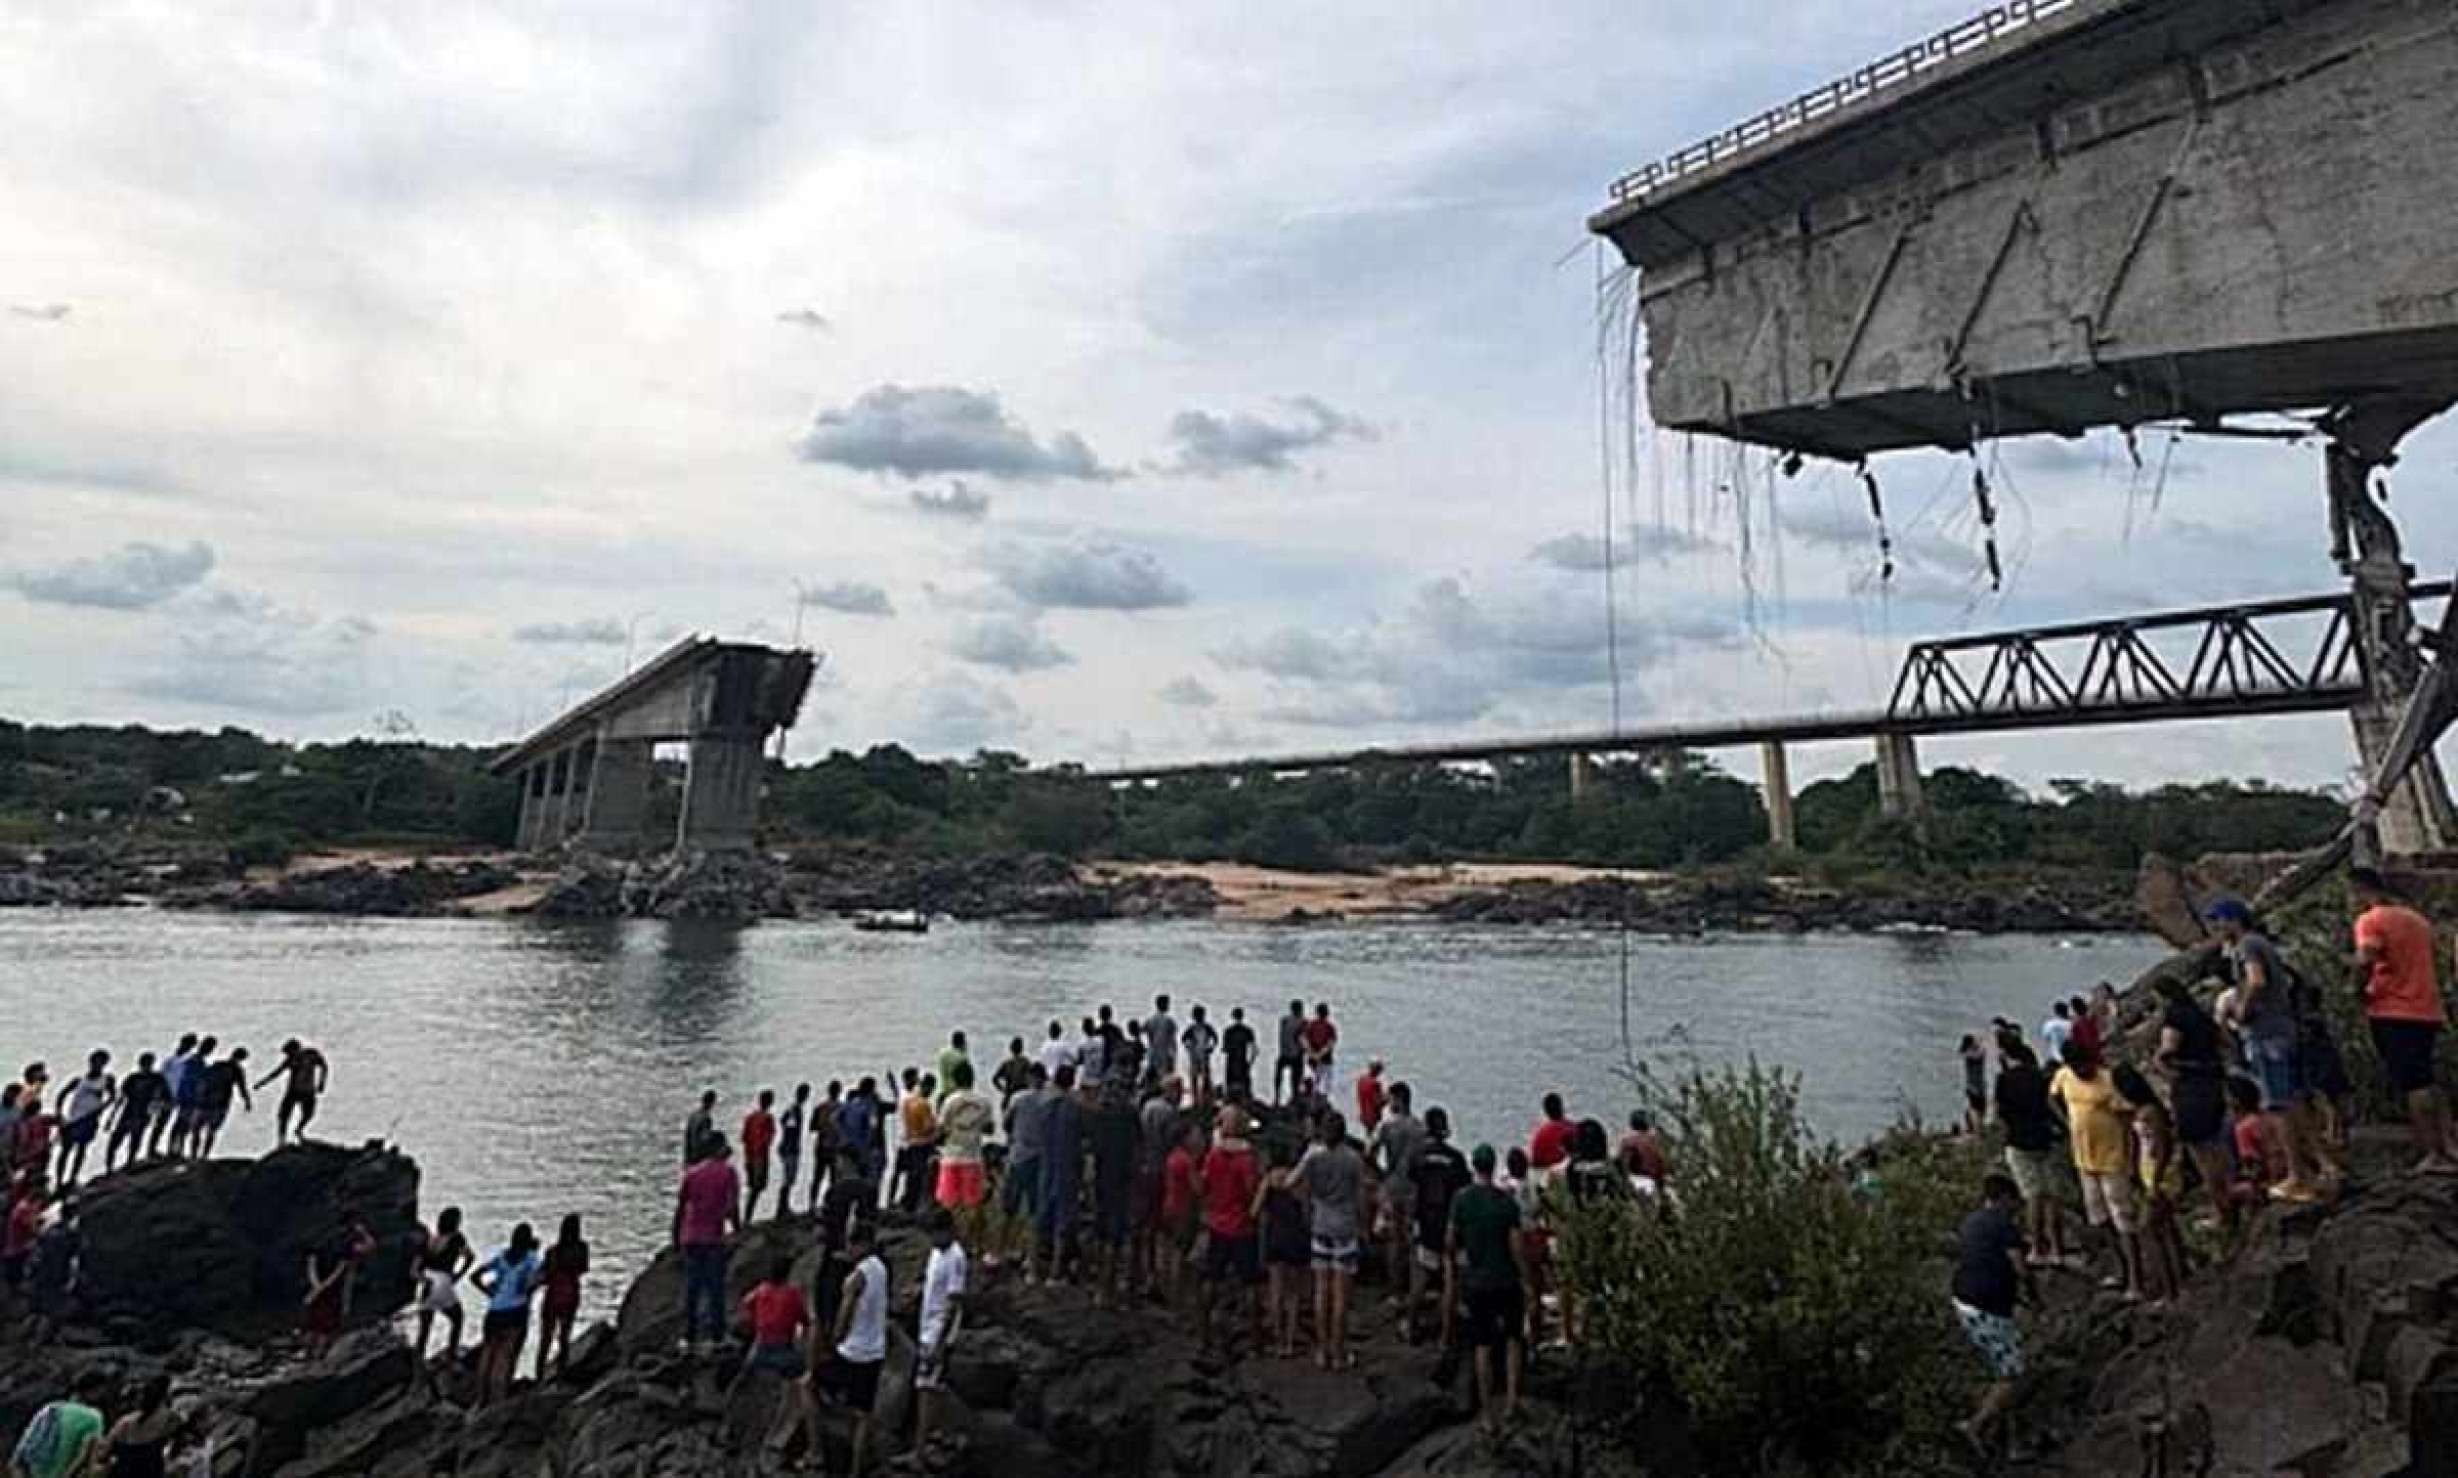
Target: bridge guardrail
(1982, 31)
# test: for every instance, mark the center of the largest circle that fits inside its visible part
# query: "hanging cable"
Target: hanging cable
(1877, 515)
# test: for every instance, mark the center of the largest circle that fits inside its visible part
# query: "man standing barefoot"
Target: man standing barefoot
(1487, 1277)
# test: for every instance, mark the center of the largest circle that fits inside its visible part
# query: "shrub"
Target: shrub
(1791, 1309)
(261, 847)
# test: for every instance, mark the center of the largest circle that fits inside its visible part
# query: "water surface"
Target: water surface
(535, 1068)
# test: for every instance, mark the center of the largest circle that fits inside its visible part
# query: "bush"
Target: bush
(262, 847)
(1792, 1309)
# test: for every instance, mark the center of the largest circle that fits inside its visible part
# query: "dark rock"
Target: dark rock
(224, 1243)
(365, 888)
(391, 1438)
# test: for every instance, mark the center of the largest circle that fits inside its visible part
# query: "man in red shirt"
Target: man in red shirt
(1228, 1179)
(2402, 1005)
(1370, 1096)
(706, 1210)
(759, 1139)
(25, 1224)
(1321, 1038)
(780, 1321)
(1550, 1145)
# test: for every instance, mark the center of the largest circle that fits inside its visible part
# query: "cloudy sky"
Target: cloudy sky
(1097, 381)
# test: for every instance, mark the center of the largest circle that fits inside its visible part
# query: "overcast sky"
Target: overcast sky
(1109, 381)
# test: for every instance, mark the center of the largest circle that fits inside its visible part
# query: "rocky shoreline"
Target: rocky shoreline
(822, 881)
(191, 1271)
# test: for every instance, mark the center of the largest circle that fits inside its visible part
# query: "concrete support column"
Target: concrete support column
(1775, 778)
(721, 796)
(533, 807)
(1582, 775)
(1899, 779)
(618, 795)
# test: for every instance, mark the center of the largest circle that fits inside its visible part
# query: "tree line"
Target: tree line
(1658, 811)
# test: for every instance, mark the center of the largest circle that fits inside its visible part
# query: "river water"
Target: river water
(535, 1068)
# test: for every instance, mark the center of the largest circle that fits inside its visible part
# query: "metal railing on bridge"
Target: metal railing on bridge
(2268, 656)
(1997, 24)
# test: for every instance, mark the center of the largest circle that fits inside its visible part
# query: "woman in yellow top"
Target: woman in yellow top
(2103, 1156)
(2161, 1163)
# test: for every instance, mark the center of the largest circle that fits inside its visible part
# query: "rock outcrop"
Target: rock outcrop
(1682, 905)
(223, 1244)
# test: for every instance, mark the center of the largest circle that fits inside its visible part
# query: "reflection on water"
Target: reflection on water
(538, 1068)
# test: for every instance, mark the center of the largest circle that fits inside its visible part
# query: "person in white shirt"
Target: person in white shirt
(81, 1110)
(1057, 1052)
(943, 1287)
(861, 1336)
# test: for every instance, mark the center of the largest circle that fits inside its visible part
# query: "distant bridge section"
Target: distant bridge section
(2297, 655)
(2065, 214)
(585, 775)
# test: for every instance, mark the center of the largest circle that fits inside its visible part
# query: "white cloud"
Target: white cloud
(133, 577)
(850, 598)
(1209, 445)
(1009, 645)
(933, 429)
(601, 631)
(1092, 577)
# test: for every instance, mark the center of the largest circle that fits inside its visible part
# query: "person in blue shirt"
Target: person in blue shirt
(508, 1281)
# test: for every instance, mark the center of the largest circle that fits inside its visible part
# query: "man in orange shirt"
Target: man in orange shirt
(2402, 1005)
(759, 1140)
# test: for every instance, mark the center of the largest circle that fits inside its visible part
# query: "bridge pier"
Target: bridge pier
(721, 795)
(2418, 816)
(618, 795)
(1899, 794)
(1775, 778)
(1582, 775)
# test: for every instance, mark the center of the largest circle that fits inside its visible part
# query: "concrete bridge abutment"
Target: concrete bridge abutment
(1775, 779)
(1899, 793)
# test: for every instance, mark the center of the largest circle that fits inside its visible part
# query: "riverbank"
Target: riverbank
(826, 881)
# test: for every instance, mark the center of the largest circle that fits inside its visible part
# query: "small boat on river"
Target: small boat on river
(892, 921)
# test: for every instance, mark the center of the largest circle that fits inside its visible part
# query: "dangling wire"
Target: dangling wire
(1877, 515)
(1988, 523)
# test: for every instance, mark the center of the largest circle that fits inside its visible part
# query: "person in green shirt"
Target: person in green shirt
(1486, 1272)
(953, 1053)
(65, 1438)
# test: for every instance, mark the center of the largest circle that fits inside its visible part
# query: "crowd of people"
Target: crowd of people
(2212, 1111)
(1137, 1161)
(175, 1105)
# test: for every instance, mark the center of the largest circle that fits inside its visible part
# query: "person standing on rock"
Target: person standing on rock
(224, 1081)
(23, 1226)
(1028, 1118)
(2055, 1031)
(954, 1052)
(917, 1157)
(780, 1322)
(2103, 1159)
(2401, 992)
(309, 1075)
(759, 1145)
(141, 1097)
(859, 1339)
(858, 1130)
(1371, 1096)
(82, 1105)
(1062, 1177)
(1322, 1040)
(1014, 1074)
(699, 1129)
(1333, 1178)
(1291, 1063)
(1392, 1149)
(2267, 1010)
(1487, 1279)
(1975, 1084)
(1226, 1183)
(1990, 1276)
(566, 1264)
(966, 1120)
(2030, 1127)
(707, 1209)
(1200, 1039)
(943, 1293)
(827, 1141)
(2191, 1054)
(330, 1271)
(1437, 1173)
(508, 1281)
(789, 1146)
(1237, 1047)
(188, 1098)
(175, 1072)
(1057, 1051)
(1161, 1040)
(443, 1260)
(1115, 1132)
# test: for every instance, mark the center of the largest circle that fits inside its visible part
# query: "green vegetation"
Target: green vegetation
(1791, 1316)
(261, 798)
(1667, 811)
